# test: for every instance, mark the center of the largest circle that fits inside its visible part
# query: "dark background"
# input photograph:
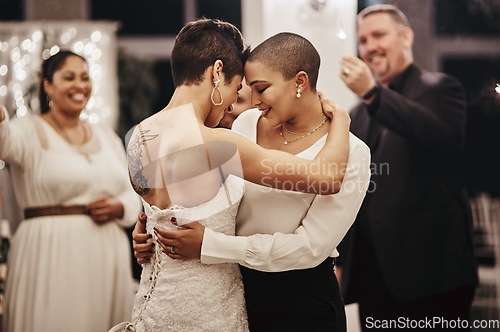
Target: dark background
(459, 18)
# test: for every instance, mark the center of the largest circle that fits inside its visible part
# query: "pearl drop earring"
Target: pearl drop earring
(298, 93)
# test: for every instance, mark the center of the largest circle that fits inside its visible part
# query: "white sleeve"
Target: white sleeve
(16, 139)
(131, 206)
(128, 197)
(325, 224)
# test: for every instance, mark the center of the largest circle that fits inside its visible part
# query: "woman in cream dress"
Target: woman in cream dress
(69, 262)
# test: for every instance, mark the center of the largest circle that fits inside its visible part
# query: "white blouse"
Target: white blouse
(279, 230)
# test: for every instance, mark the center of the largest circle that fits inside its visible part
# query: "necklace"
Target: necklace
(61, 129)
(302, 135)
(80, 148)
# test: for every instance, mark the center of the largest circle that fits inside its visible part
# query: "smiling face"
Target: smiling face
(71, 87)
(271, 93)
(385, 46)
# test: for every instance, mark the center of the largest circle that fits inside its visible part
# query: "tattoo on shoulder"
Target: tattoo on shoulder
(135, 166)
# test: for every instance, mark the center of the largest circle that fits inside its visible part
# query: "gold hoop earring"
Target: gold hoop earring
(298, 95)
(216, 87)
(49, 102)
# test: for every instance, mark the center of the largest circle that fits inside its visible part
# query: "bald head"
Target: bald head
(288, 53)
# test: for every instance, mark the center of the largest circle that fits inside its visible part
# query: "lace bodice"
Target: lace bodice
(189, 296)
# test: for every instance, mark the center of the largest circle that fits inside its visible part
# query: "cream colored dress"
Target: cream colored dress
(65, 273)
(185, 295)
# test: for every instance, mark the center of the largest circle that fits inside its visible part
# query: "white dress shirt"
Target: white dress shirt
(279, 230)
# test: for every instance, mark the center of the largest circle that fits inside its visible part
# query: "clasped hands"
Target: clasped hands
(186, 240)
(105, 210)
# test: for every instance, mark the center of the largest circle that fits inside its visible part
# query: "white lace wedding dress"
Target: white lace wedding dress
(184, 295)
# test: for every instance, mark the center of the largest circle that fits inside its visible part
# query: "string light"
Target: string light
(23, 47)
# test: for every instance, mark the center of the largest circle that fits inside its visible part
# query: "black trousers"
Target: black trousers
(298, 300)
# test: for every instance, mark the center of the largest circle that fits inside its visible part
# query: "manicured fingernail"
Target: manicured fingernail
(173, 219)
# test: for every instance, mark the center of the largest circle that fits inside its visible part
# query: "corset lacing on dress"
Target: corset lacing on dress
(155, 271)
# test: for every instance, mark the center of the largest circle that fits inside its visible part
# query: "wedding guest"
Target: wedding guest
(69, 263)
(409, 253)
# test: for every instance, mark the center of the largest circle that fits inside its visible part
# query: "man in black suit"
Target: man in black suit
(409, 253)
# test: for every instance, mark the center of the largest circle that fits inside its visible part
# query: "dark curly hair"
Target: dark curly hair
(49, 67)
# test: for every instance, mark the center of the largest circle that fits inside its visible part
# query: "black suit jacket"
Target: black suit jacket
(416, 211)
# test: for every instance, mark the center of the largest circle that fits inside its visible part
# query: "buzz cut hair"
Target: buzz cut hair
(288, 53)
